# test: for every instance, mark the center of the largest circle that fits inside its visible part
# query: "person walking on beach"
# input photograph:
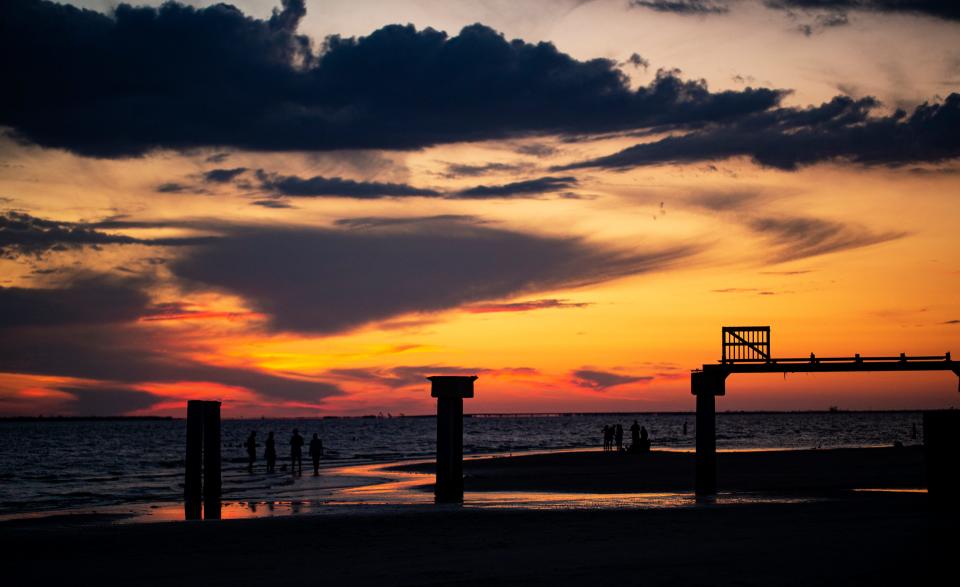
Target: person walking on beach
(607, 437)
(316, 451)
(270, 454)
(251, 445)
(619, 436)
(296, 452)
(635, 437)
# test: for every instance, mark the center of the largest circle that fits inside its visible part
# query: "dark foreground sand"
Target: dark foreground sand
(806, 472)
(851, 539)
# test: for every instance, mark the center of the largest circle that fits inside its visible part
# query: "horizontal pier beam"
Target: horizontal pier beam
(835, 365)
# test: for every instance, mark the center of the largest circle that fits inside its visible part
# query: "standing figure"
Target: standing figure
(316, 451)
(606, 437)
(296, 452)
(684, 427)
(270, 454)
(635, 437)
(619, 436)
(251, 445)
(644, 440)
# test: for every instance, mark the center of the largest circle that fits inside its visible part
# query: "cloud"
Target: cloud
(125, 354)
(368, 270)
(951, 322)
(88, 300)
(22, 234)
(222, 175)
(464, 170)
(541, 185)
(945, 9)
(273, 203)
(416, 375)
(178, 77)
(684, 6)
(638, 61)
(789, 138)
(603, 380)
(526, 306)
(798, 238)
(100, 401)
(291, 185)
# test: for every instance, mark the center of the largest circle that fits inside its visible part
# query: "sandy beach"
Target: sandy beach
(790, 472)
(849, 538)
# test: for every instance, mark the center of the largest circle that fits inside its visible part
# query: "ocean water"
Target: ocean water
(61, 465)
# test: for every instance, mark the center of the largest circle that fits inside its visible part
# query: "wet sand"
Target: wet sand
(793, 472)
(851, 538)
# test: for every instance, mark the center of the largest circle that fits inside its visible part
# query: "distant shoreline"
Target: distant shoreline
(477, 415)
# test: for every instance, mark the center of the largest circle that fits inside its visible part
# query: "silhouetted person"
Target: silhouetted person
(251, 445)
(644, 440)
(607, 437)
(684, 428)
(635, 437)
(296, 452)
(270, 454)
(316, 451)
(618, 433)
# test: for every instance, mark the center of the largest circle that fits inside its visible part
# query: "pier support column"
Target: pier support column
(450, 392)
(941, 446)
(706, 386)
(211, 461)
(202, 484)
(192, 483)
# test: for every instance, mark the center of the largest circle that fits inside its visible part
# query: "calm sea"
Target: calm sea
(50, 465)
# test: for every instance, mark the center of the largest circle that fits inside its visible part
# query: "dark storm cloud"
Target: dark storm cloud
(799, 238)
(291, 185)
(945, 9)
(530, 187)
(24, 235)
(172, 187)
(323, 280)
(179, 77)
(788, 138)
(110, 401)
(222, 175)
(684, 6)
(88, 300)
(602, 380)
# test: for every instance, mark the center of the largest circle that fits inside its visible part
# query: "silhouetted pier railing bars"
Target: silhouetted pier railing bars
(450, 392)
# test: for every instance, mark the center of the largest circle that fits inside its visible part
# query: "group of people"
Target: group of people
(613, 438)
(296, 452)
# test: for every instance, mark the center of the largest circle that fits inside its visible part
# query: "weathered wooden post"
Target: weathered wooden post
(941, 445)
(211, 461)
(706, 386)
(194, 462)
(450, 392)
(203, 459)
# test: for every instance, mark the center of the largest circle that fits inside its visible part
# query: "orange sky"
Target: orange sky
(837, 257)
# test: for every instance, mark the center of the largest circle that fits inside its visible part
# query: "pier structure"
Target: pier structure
(746, 349)
(450, 392)
(202, 481)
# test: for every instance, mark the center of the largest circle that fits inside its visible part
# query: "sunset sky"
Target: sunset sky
(305, 209)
